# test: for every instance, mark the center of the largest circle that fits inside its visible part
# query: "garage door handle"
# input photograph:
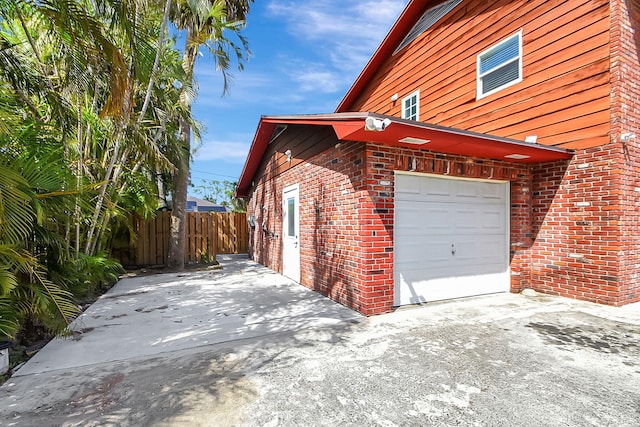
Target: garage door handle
(453, 250)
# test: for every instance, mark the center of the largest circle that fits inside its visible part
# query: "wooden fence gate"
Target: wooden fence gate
(208, 234)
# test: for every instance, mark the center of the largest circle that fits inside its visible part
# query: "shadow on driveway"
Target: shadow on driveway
(245, 346)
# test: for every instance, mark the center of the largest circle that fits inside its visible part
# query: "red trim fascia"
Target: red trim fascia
(258, 147)
(350, 127)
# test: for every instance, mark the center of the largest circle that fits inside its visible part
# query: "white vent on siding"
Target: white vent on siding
(429, 18)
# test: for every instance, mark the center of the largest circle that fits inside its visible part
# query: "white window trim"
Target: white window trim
(417, 95)
(479, 94)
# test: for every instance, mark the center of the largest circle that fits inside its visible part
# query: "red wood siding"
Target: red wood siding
(564, 97)
(303, 141)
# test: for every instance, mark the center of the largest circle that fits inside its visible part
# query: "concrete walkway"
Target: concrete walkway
(245, 346)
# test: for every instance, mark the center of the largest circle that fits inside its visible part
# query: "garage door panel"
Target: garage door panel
(478, 251)
(409, 215)
(421, 256)
(439, 216)
(448, 215)
(417, 291)
(437, 189)
(493, 250)
(492, 220)
(466, 251)
(465, 219)
(466, 189)
(465, 273)
(410, 185)
(493, 191)
(425, 252)
(474, 270)
(451, 238)
(476, 192)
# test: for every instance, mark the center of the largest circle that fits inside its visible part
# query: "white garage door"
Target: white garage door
(451, 238)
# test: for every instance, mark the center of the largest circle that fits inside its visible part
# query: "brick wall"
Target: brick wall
(625, 121)
(347, 212)
(330, 258)
(567, 222)
(576, 226)
(329, 228)
(377, 207)
(265, 205)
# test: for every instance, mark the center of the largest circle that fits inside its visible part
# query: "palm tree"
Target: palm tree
(88, 112)
(32, 193)
(206, 24)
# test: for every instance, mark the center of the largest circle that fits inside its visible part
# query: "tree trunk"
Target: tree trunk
(177, 232)
(156, 63)
(103, 193)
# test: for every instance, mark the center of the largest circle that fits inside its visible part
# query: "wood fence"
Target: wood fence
(208, 234)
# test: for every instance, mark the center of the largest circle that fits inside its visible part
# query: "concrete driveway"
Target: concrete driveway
(243, 346)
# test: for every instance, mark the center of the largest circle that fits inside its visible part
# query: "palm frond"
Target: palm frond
(9, 318)
(16, 214)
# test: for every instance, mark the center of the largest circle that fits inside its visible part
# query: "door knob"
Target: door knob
(453, 250)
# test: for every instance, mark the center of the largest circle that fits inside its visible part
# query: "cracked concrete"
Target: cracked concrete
(244, 346)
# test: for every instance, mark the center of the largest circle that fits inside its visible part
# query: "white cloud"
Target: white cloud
(337, 39)
(336, 20)
(311, 81)
(348, 31)
(230, 151)
(378, 11)
(315, 78)
(306, 55)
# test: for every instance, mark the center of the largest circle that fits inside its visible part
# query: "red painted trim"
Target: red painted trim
(350, 127)
(258, 147)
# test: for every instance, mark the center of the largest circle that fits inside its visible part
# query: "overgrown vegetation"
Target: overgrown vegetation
(93, 97)
(222, 193)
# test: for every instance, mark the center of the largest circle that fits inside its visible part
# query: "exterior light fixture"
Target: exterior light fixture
(376, 125)
(625, 137)
(414, 141)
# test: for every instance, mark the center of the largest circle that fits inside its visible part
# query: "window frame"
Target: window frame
(291, 217)
(480, 76)
(415, 94)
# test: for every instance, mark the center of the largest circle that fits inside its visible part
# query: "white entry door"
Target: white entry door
(451, 238)
(291, 232)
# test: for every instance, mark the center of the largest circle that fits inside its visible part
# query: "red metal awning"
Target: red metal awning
(401, 133)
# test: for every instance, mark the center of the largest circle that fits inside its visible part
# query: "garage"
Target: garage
(451, 238)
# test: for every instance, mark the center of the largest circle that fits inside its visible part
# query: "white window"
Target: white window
(411, 106)
(500, 66)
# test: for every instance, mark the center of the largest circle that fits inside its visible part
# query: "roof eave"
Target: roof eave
(351, 127)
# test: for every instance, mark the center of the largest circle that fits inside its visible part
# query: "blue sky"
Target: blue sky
(305, 57)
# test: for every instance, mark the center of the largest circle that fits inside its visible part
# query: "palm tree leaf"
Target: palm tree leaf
(16, 213)
(9, 318)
